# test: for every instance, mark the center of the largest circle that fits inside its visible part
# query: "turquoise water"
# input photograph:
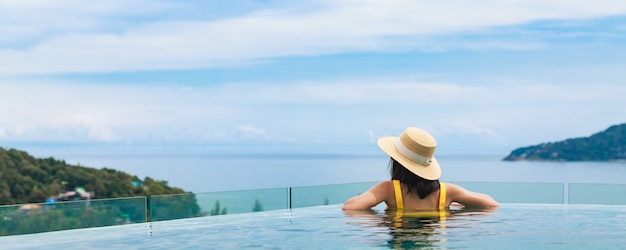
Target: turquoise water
(107, 212)
(513, 226)
(213, 173)
(558, 183)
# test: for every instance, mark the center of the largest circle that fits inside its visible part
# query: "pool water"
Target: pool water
(512, 226)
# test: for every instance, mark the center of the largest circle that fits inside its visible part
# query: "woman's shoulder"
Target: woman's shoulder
(468, 198)
(453, 191)
(383, 186)
(452, 188)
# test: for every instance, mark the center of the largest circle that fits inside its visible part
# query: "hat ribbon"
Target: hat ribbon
(414, 157)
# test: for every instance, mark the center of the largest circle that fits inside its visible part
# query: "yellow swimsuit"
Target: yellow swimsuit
(442, 201)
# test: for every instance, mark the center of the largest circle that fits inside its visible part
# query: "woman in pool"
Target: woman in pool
(414, 183)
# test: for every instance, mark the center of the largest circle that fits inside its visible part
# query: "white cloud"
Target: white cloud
(31, 21)
(359, 91)
(91, 37)
(102, 112)
(371, 136)
(468, 129)
(95, 127)
(305, 111)
(251, 132)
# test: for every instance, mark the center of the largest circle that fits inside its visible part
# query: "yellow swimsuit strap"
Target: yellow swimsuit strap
(398, 192)
(442, 213)
(442, 196)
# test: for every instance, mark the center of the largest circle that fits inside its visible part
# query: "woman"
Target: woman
(414, 183)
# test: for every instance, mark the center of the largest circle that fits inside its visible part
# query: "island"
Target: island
(608, 145)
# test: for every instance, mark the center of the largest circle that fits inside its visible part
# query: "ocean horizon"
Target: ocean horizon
(198, 173)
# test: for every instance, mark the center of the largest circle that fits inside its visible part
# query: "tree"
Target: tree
(25, 179)
(257, 207)
(216, 209)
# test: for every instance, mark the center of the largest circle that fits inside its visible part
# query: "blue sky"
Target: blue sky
(484, 77)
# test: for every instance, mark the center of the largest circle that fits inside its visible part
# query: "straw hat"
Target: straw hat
(414, 149)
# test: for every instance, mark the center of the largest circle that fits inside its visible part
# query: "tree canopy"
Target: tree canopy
(26, 179)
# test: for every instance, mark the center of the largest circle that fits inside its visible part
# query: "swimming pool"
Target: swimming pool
(512, 226)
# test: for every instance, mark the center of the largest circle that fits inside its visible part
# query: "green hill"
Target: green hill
(26, 179)
(608, 145)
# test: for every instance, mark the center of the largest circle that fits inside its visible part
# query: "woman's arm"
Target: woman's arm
(369, 199)
(469, 198)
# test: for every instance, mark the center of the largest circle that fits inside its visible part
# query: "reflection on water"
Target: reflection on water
(513, 226)
(416, 229)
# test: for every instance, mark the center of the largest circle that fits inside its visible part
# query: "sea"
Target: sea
(200, 173)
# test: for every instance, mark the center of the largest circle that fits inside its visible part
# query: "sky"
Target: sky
(328, 76)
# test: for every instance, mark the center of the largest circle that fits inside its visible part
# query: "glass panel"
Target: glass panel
(45, 217)
(588, 193)
(326, 194)
(173, 206)
(506, 192)
(34, 218)
(167, 207)
(551, 193)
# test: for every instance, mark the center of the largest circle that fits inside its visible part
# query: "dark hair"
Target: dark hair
(422, 186)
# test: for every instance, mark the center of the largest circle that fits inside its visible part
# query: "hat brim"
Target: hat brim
(430, 172)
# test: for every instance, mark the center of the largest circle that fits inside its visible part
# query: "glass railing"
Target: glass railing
(519, 192)
(590, 193)
(326, 194)
(167, 207)
(35, 218)
(46, 217)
